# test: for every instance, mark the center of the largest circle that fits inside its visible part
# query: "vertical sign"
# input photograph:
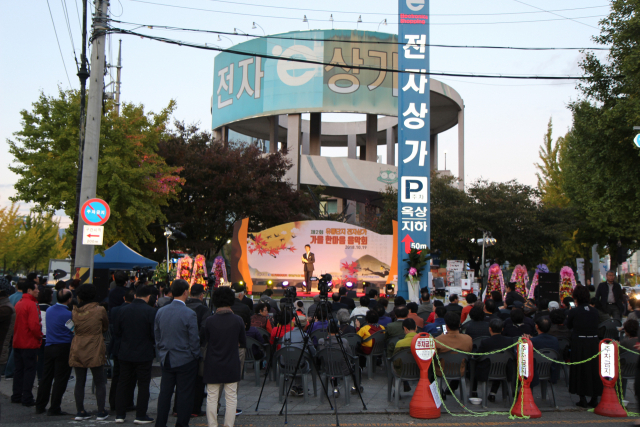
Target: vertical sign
(414, 136)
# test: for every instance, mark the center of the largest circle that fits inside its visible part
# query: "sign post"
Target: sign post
(94, 213)
(609, 405)
(414, 135)
(423, 403)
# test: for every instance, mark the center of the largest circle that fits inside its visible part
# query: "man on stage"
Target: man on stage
(307, 260)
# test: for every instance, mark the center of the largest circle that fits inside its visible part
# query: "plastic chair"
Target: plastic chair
(250, 357)
(450, 363)
(628, 363)
(266, 336)
(353, 340)
(609, 329)
(318, 334)
(286, 358)
(543, 369)
(393, 341)
(497, 372)
(476, 343)
(362, 319)
(402, 367)
(563, 344)
(424, 316)
(332, 365)
(378, 349)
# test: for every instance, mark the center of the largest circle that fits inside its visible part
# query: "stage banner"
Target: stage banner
(346, 251)
(414, 137)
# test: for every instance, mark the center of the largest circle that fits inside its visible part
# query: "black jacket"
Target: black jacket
(114, 344)
(493, 343)
(351, 305)
(224, 333)
(512, 297)
(241, 309)
(248, 301)
(456, 308)
(477, 329)
(338, 306)
(602, 295)
(134, 327)
(116, 297)
(202, 311)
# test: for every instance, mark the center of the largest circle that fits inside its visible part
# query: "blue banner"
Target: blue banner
(414, 216)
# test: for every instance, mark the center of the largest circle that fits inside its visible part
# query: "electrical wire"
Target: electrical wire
(58, 40)
(266, 56)
(279, 37)
(553, 13)
(364, 22)
(66, 17)
(78, 13)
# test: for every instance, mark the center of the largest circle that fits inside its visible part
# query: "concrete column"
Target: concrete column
(315, 132)
(434, 152)
(221, 134)
(363, 152)
(294, 136)
(372, 138)
(461, 148)
(392, 136)
(352, 151)
(595, 263)
(274, 131)
(351, 210)
(305, 143)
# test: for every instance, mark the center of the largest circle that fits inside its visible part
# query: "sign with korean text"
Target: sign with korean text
(523, 360)
(425, 348)
(95, 212)
(414, 135)
(607, 360)
(92, 235)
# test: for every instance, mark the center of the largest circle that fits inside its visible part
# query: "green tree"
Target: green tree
(132, 178)
(549, 171)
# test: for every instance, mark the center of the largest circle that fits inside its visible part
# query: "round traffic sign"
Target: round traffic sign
(95, 212)
(636, 140)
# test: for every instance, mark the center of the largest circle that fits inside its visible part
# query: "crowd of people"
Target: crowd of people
(52, 334)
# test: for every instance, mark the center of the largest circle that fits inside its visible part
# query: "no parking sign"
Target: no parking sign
(95, 212)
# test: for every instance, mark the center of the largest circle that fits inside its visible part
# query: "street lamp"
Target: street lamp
(331, 19)
(359, 21)
(383, 22)
(306, 20)
(258, 26)
(220, 38)
(486, 241)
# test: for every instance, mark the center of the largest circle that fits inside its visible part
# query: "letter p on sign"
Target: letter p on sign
(414, 189)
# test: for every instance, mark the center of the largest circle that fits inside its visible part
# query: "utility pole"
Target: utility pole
(118, 68)
(83, 75)
(84, 253)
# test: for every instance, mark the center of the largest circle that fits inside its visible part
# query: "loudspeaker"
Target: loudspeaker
(549, 286)
(352, 294)
(101, 280)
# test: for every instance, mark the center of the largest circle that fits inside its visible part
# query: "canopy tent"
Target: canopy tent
(121, 257)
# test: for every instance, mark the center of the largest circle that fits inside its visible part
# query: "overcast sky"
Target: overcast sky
(505, 119)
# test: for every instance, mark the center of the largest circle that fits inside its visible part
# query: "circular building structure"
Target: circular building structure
(262, 87)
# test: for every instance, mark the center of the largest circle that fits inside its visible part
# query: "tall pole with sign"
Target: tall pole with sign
(414, 135)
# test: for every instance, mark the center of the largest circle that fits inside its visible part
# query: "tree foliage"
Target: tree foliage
(549, 171)
(132, 178)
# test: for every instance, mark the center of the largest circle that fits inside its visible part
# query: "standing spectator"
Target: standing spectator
(88, 350)
(364, 307)
(17, 296)
(203, 312)
(224, 333)
(167, 296)
(44, 302)
(116, 295)
(56, 356)
(240, 296)
(178, 346)
(134, 328)
(114, 349)
(239, 307)
(9, 368)
(425, 302)
(345, 299)
(7, 320)
(610, 295)
(413, 314)
(261, 318)
(27, 337)
(60, 285)
(584, 377)
(453, 305)
(631, 334)
(471, 299)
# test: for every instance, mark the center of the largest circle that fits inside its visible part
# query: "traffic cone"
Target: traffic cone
(525, 405)
(609, 405)
(422, 404)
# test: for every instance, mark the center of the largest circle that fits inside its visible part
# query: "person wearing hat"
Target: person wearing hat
(553, 305)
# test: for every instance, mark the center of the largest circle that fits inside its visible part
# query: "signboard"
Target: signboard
(348, 252)
(465, 284)
(607, 360)
(95, 212)
(425, 348)
(523, 360)
(455, 265)
(414, 136)
(92, 235)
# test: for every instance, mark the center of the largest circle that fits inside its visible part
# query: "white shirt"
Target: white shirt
(359, 311)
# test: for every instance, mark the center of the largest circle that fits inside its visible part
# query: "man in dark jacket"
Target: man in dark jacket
(239, 307)
(545, 340)
(336, 305)
(116, 295)
(7, 319)
(114, 349)
(513, 296)
(610, 295)
(224, 333)
(134, 328)
(202, 312)
(496, 341)
(453, 304)
(351, 305)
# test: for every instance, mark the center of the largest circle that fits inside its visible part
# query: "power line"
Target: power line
(59, 48)
(553, 13)
(66, 17)
(279, 37)
(306, 61)
(365, 22)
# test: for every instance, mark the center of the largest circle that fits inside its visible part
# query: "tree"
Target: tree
(226, 183)
(132, 178)
(549, 172)
(600, 163)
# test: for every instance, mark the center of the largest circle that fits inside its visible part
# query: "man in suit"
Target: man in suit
(610, 295)
(453, 304)
(307, 261)
(114, 350)
(135, 329)
(545, 340)
(496, 341)
(178, 346)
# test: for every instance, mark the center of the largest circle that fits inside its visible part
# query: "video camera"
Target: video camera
(290, 293)
(143, 271)
(324, 283)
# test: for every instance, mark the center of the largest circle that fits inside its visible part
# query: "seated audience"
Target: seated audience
(413, 314)
(478, 326)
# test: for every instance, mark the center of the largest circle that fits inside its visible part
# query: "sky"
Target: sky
(505, 119)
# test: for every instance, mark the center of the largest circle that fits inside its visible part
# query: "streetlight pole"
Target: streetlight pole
(258, 26)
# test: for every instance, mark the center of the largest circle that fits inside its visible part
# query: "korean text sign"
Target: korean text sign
(413, 134)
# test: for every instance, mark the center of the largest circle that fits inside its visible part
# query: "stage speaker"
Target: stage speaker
(101, 280)
(352, 294)
(549, 286)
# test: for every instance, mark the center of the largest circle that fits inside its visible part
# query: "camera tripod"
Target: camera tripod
(324, 307)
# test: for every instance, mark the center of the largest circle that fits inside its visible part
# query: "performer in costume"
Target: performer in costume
(495, 282)
(307, 260)
(567, 282)
(521, 277)
(541, 268)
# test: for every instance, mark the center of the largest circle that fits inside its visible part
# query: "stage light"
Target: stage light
(269, 282)
(285, 284)
(349, 284)
(241, 282)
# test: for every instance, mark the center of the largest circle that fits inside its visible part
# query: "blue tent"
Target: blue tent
(121, 257)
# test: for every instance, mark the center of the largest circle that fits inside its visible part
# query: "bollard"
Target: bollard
(525, 405)
(422, 403)
(609, 405)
